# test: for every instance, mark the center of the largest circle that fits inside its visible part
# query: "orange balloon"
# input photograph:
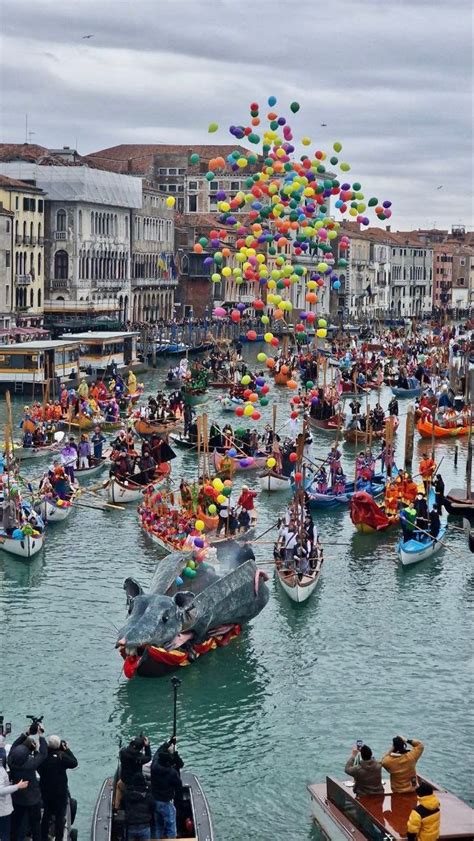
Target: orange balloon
(311, 297)
(197, 248)
(253, 397)
(292, 385)
(270, 363)
(255, 121)
(284, 369)
(226, 252)
(278, 314)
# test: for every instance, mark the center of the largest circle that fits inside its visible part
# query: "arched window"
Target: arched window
(24, 232)
(39, 264)
(39, 298)
(61, 220)
(61, 265)
(92, 222)
(32, 235)
(39, 233)
(126, 227)
(79, 223)
(32, 298)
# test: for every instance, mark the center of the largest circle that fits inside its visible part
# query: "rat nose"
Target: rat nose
(120, 643)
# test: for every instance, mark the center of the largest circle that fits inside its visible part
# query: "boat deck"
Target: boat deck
(389, 812)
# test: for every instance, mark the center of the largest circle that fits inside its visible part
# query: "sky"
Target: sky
(392, 81)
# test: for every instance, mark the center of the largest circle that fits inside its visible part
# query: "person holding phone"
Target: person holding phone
(6, 791)
(365, 769)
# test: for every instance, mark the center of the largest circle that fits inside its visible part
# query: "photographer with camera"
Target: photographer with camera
(27, 754)
(365, 770)
(54, 785)
(132, 759)
(6, 791)
(400, 762)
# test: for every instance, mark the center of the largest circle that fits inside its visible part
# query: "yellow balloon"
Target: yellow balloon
(268, 337)
(217, 484)
(199, 525)
(271, 462)
(248, 410)
(170, 201)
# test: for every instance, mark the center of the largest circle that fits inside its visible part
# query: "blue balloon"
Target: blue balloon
(337, 284)
(272, 100)
(178, 581)
(232, 453)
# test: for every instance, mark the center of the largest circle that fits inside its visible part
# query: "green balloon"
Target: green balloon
(321, 168)
(227, 491)
(299, 270)
(210, 176)
(194, 158)
(203, 241)
(309, 384)
(264, 401)
(373, 202)
(342, 262)
(334, 160)
(274, 125)
(295, 106)
(356, 186)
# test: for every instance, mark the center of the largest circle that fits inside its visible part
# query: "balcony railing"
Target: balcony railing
(60, 283)
(23, 279)
(60, 235)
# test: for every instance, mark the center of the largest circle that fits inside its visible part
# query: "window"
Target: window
(61, 220)
(460, 281)
(163, 187)
(32, 300)
(162, 170)
(172, 188)
(180, 188)
(39, 298)
(193, 185)
(192, 204)
(17, 202)
(213, 186)
(172, 171)
(462, 261)
(234, 185)
(61, 265)
(29, 204)
(79, 223)
(39, 264)
(7, 228)
(181, 171)
(40, 205)
(7, 259)
(39, 233)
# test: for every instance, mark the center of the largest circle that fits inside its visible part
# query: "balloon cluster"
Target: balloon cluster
(286, 215)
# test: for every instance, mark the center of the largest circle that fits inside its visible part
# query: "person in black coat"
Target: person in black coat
(54, 786)
(435, 522)
(27, 754)
(132, 759)
(165, 787)
(438, 486)
(139, 808)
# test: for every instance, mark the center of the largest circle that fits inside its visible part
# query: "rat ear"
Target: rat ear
(132, 589)
(184, 600)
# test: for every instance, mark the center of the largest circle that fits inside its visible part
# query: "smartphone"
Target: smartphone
(359, 743)
(8, 728)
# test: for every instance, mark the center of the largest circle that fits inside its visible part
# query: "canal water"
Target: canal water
(377, 651)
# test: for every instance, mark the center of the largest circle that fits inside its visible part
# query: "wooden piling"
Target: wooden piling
(409, 438)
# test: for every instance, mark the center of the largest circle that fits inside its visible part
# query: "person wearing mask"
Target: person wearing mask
(165, 787)
(439, 488)
(400, 762)
(424, 822)
(139, 807)
(27, 754)
(54, 786)
(132, 759)
(6, 791)
(367, 773)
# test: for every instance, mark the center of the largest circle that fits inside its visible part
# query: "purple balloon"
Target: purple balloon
(387, 204)
(281, 121)
(241, 307)
(199, 543)
(220, 195)
(208, 261)
(303, 316)
(243, 462)
(345, 186)
(260, 381)
(314, 401)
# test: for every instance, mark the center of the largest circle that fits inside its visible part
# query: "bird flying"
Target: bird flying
(84, 37)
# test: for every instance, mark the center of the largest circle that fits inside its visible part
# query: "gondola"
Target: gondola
(407, 392)
(299, 587)
(26, 453)
(119, 491)
(329, 501)
(272, 482)
(82, 473)
(331, 424)
(427, 430)
(354, 436)
(146, 428)
(245, 463)
(413, 551)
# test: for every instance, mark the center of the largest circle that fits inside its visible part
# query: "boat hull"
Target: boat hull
(413, 551)
(27, 547)
(426, 430)
(121, 493)
(147, 428)
(51, 512)
(257, 463)
(406, 392)
(26, 453)
(82, 473)
(274, 482)
(298, 592)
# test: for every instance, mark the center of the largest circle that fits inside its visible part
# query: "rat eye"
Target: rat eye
(165, 616)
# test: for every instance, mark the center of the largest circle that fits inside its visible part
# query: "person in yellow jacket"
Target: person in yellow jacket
(401, 764)
(424, 820)
(131, 382)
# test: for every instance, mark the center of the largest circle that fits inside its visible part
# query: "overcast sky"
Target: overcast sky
(392, 80)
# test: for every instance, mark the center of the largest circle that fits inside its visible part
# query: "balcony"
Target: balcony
(155, 282)
(60, 283)
(32, 240)
(60, 235)
(23, 279)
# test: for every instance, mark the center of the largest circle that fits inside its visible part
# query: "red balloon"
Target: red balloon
(294, 415)
(293, 457)
(274, 342)
(298, 476)
(255, 416)
(235, 315)
(259, 305)
(311, 316)
(251, 335)
(239, 412)
(265, 389)
(296, 399)
(247, 393)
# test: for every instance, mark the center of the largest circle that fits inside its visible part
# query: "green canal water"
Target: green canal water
(377, 651)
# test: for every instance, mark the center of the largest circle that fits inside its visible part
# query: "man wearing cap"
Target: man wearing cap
(367, 772)
(400, 762)
(54, 785)
(424, 820)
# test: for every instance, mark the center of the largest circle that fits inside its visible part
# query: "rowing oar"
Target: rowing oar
(98, 508)
(422, 531)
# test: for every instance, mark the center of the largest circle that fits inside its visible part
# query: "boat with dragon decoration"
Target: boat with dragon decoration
(368, 516)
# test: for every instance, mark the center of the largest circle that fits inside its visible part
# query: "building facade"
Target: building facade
(153, 272)
(26, 203)
(87, 226)
(6, 265)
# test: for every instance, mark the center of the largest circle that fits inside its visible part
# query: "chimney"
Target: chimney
(129, 165)
(388, 228)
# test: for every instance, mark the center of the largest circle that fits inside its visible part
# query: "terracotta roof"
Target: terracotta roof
(32, 153)
(14, 184)
(137, 158)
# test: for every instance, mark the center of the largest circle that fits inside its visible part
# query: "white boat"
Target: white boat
(270, 481)
(54, 511)
(26, 547)
(414, 551)
(24, 453)
(121, 492)
(82, 473)
(299, 588)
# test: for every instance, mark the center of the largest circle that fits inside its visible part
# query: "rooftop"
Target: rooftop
(79, 183)
(32, 153)
(137, 158)
(99, 336)
(14, 184)
(47, 344)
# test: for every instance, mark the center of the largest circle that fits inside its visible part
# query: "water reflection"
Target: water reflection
(25, 574)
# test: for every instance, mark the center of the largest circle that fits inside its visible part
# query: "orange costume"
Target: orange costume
(427, 468)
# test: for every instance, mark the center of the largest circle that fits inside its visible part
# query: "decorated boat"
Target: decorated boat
(299, 587)
(25, 541)
(273, 482)
(26, 453)
(427, 430)
(341, 816)
(225, 463)
(146, 428)
(419, 549)
(331, 424)
(205, 611)
(330, 501)
(353, 436)
(369, 517)
(54, 510)
(119, 491)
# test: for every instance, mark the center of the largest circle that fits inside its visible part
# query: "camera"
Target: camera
(5, 726)
(35, 724)
(359, 743)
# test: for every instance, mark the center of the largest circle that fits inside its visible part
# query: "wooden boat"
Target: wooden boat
(329, 501)
(211, 522)
(426, 430)
(328, 424)
(352, 436)
(341, 816)
(299, 588)
(253, 462)
(81, 422)
(130, 491)
(271, 481)
(220, 384)
(414, 551)
(27, 547)
(145, 427)
(367, 516)
(26, 453)
(54, 511)
(193, 814)
(407, 392)
(82, 473)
